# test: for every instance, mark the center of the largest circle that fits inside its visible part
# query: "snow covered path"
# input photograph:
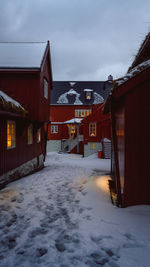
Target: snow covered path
(62, 216)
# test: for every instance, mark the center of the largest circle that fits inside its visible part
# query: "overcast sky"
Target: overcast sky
(89, 39)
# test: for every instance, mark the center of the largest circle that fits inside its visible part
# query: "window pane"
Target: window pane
(11, 134)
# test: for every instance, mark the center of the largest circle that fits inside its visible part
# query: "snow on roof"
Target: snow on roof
(21, 55)
(98, 99)
(74, 120)
(133, 72)
(88, 90)
(9, 104)
(72, 83)
(64, 100)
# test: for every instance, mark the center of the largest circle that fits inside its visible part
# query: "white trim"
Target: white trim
(54, 129)
(93, 123)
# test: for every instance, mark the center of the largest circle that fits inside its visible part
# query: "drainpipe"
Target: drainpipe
(45, 138)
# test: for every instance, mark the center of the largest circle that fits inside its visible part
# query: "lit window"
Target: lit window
(81, 113)
(92, 146)
(11, 134)
(72, 129)
(30, 134)
(54, 129)
(45, 88)
(92, 129)
(39, 136)
(88, 95)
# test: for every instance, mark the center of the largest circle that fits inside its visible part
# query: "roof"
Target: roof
(133, 72)
(143, 53)
(10, 105)
(21, 55)
(73, 93)
(74, 120)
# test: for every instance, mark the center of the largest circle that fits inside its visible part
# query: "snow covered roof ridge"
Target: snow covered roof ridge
(98, 99)
(133, 72)
(64, 100)
(21, 54)
(9, 104)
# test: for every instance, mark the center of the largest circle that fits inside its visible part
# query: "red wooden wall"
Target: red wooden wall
(136, 148)
(23, 152)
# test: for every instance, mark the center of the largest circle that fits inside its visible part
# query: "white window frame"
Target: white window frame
(54, 129)
(90, 132)
(12, 140)
(39, 135)
(45, 88)
(30, 134)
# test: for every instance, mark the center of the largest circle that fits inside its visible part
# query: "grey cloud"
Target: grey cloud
(89, 39)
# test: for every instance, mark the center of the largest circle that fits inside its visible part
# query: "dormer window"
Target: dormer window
(45, 89)
(88, 94)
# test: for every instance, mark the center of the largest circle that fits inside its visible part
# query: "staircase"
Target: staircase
(106, 143)
(69, 144)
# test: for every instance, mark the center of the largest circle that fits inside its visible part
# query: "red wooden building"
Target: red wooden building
(71, 102)
(130, 113)
(97, 132)
(25, 83)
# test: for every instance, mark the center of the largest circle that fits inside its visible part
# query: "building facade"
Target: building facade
(25, 84)
(71, 102)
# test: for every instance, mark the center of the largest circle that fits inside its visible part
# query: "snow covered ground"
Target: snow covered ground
(62, 216)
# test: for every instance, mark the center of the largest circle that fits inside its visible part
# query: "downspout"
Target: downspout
(45, 138)
(114, 139)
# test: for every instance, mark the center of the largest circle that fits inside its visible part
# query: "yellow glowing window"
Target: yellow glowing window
(30, 134)
(73, 129)
(88, 95)
(39, 136)
(81, 113)
(11, 134)
(92, 129)
(92, 146)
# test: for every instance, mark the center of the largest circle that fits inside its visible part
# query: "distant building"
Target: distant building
(97, 132)
(129, 103)
(25, 84)
(71, 102)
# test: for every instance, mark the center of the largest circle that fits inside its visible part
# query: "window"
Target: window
(92, 146)
(30, 134)
(92, 129)
(81, 113)
(88, 95)
(72, 129)
(45, 89)
(11, 134)
(39, 136)
(54, 129)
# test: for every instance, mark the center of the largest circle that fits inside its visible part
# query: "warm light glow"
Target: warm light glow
(120, 133)
(11, 137)
(39, 136)
(102, 183)
(92, 146)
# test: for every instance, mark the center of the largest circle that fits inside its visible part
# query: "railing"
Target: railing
(69, 144)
